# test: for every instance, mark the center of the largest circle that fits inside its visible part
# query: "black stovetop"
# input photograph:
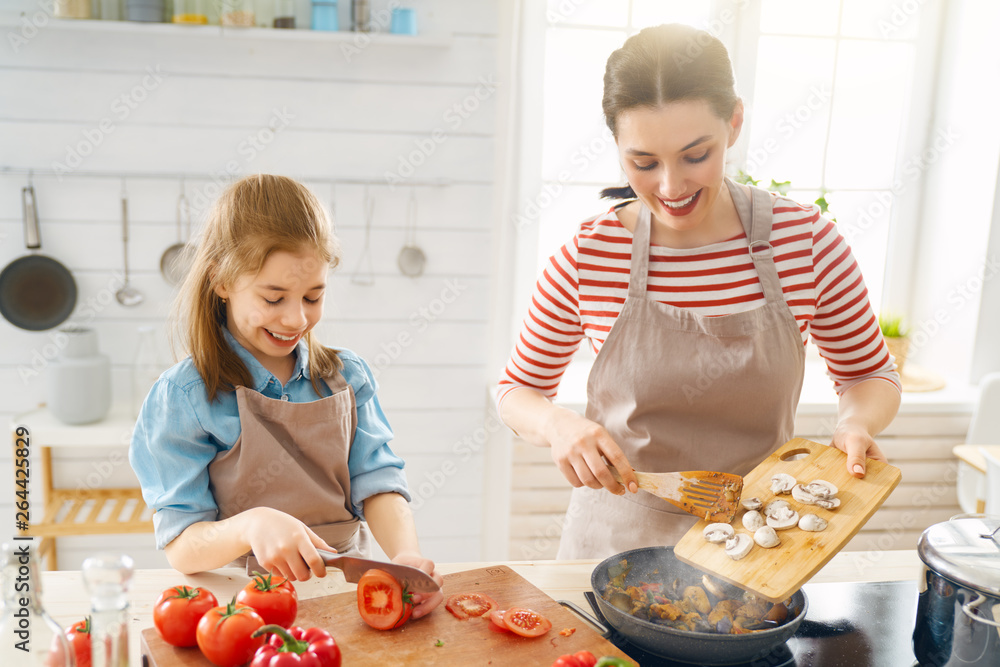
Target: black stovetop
(847, 625)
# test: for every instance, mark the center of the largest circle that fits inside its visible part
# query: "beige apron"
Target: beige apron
(681, 391)
(293, 457)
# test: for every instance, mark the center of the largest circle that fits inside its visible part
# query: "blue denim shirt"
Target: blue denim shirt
(179, 432)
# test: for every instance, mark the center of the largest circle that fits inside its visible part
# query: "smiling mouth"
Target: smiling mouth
(282, 337)
(679, 203)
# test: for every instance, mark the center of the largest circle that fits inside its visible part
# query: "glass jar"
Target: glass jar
(324, 15)
(147, 367)
(284, 14)
(71, 9)
(191, 12)
(238, 13)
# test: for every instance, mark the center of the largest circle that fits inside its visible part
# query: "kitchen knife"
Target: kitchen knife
(414, 579)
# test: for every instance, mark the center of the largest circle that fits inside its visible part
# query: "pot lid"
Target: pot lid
(966, 551)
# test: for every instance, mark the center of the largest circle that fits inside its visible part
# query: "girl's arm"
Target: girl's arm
(280, 542)
(391, 522)
(864, 410)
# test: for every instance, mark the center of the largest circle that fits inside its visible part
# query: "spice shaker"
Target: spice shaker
(107, 578)
(361, 16)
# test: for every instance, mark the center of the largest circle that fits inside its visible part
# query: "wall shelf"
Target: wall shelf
(345, 37)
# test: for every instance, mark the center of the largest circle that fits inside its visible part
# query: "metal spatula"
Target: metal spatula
(415, 579)
(712, 496)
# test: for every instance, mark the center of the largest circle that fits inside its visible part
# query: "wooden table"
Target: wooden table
(66, 599)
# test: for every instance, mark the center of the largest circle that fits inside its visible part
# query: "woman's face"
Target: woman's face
(270, 312)
(674, 157)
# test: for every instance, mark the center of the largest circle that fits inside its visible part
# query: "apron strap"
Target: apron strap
(639, 266)
(758, 211)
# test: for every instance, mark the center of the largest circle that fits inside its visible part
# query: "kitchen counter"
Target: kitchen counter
(66, 599)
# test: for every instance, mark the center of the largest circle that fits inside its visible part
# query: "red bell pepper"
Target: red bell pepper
(295, 646)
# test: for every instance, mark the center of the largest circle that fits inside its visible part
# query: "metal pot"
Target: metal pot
(653, 564)
(958, 610)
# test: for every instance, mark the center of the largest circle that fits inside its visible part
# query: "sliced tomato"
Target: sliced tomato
(526, 622)
(467, 605)
(496, 621)
(382, 602)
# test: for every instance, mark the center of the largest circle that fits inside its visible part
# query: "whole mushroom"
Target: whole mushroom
(812, 523)
(766, 537)
(753, 520)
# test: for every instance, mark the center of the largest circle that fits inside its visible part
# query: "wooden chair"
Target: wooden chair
(80, 511)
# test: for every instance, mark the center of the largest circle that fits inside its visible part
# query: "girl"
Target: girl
(698, 296)
(263, 440)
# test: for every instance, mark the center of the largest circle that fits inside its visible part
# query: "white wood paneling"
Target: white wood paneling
(155, 103)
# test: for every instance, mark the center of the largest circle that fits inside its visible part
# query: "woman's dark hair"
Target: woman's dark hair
(666, 63)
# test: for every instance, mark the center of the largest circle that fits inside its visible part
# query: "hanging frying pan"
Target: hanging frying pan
(36, 292)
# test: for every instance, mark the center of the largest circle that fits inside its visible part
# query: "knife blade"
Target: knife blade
(415, 579)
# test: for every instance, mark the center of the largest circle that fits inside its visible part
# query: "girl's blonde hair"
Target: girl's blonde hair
(252, 218)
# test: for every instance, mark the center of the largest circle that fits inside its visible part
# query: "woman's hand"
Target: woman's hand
(859, 445)
(423, 603)
(283, 544)
(580, 447)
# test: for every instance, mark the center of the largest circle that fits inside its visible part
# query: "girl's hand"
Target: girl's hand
(580, 447)
(284, 545)
(423, 603)
(859, 445)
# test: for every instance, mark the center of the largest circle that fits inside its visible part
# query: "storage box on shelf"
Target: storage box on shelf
(91, 510)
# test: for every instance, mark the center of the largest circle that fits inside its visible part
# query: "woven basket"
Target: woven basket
(898, 347)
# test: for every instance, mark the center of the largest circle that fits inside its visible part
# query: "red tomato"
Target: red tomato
(465, 605)
(526, 623)
(224, 634)
(382, 602)
(78, 636)
(177, 612)
(496, 621)
(273, 597)
(578, 659)
(313, 647)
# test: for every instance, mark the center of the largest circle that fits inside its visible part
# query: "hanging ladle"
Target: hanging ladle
(411, 258)
(127, 296)
(176, 260)
(365, 273)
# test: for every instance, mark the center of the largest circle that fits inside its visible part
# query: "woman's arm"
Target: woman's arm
(391, 522)
(864, 410)
(279, 541)
(579, 446)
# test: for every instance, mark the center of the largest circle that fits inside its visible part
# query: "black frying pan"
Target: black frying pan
(654, 564)
(36, 292)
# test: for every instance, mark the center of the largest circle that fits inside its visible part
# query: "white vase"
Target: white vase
(79, 380)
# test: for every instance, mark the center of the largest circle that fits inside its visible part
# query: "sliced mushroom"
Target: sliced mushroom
(720, 589)
(752, 504)
(739, 545)
(782, 483)
(830, 503)
(783, 518)
(800, 493)
(717, 533)
(696, 597)
(821, 489)
(753, 520)
(775, 506)
(766, 537)
(812, 523)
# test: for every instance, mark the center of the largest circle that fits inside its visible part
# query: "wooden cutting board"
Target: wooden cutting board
(469, 642)
(778, 572)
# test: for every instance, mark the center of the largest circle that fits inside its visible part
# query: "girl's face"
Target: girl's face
(674, 157)
(270, 312)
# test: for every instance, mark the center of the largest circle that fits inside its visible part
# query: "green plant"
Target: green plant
(782, 189)
(892, 326)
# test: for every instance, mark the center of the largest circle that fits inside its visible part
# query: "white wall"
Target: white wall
(343, 112)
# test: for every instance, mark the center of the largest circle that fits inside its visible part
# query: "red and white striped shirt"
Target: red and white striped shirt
(581, 292)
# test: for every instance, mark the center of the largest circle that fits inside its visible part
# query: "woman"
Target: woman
(698, 296)
(264, 440)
